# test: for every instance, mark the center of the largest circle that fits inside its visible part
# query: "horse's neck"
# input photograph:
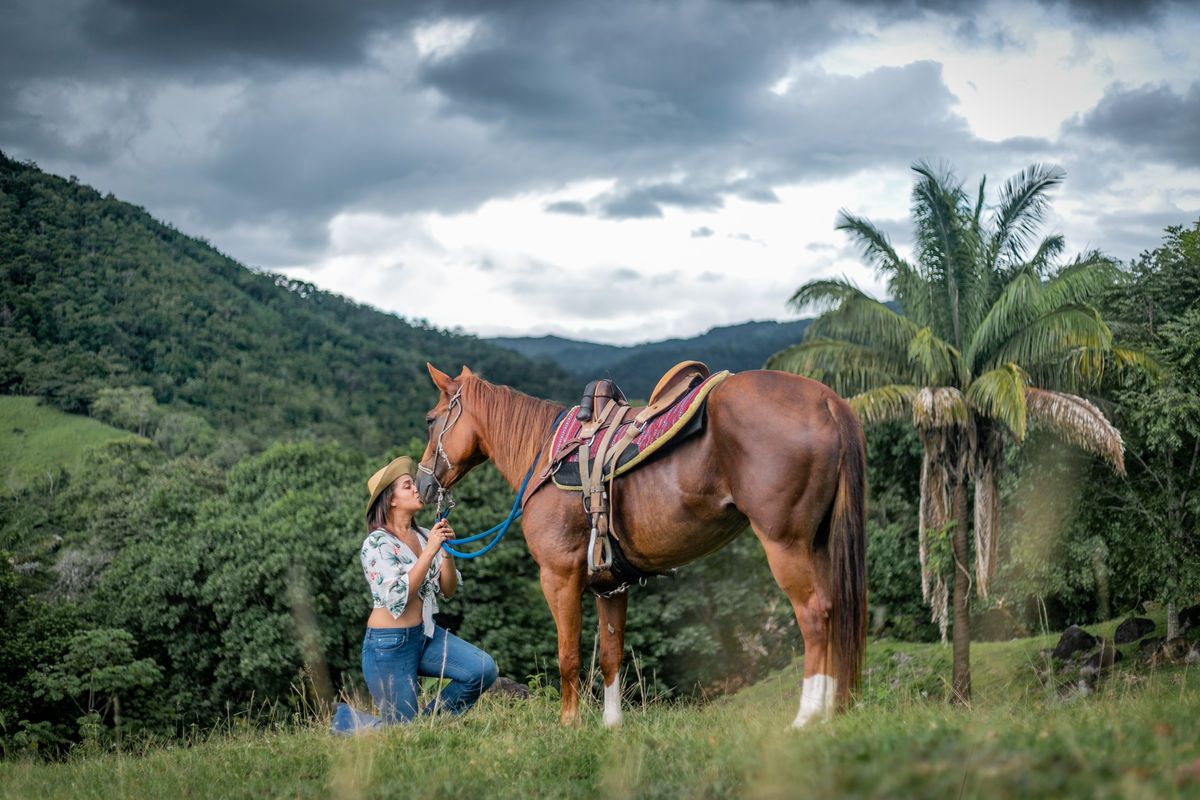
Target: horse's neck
(513, 428)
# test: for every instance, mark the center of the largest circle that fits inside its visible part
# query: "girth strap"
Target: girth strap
(595, 496)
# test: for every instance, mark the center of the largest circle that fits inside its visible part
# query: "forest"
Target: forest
(203, 557)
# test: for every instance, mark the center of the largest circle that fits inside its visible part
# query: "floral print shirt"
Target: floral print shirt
(386, 561)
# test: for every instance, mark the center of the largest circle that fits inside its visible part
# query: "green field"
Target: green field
(1136, 736)
(37, 441)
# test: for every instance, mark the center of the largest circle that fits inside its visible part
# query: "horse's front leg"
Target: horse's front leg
(564, 590)
(611, 611)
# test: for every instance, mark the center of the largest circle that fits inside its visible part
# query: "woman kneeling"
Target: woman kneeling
(407, 570)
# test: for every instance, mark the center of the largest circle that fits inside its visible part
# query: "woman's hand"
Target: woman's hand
(447, 576)
(440, 533)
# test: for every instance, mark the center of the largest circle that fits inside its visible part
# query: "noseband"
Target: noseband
(443, 497)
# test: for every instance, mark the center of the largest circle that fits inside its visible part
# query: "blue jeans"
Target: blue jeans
(394, 658)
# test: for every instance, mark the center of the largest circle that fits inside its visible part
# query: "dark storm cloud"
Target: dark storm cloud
(330, 106)
(648, 201)
(1153, 120)
(1114, 13)
(570, 207)
(1130, 235)
(631, 206)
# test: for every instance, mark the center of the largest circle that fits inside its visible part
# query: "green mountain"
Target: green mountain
(637, 368)
(99, 302)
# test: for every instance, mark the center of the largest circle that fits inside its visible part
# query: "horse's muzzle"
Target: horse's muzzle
(427, 487)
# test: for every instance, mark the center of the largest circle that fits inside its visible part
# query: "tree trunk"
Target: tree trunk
(960, 687)
(1172, 619)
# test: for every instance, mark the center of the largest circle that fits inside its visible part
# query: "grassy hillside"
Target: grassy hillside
(36, 441)
(1134, 737)
(95, 294)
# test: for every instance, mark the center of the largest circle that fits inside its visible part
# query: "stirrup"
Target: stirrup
(605, 552)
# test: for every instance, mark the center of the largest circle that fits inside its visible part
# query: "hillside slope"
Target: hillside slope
(95, 294)
(39, 442)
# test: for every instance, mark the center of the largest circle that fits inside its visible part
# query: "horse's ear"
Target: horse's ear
(440, 379)
(466, 373)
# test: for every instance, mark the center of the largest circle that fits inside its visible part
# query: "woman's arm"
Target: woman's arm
(448, 576)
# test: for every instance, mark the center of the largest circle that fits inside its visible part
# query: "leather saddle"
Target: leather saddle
(605, 413)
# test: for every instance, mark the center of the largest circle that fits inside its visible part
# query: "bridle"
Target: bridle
(444, 500)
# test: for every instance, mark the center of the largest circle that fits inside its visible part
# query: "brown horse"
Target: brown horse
(778, 451)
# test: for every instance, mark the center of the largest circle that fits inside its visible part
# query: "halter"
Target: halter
(444, 500)
(444, 494)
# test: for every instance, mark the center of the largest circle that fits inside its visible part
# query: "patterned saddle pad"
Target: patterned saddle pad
(673, 425)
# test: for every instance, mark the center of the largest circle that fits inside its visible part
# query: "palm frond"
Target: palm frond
(1000, 395)
(987, 539)
(1050, 248)
(1128, 358)
(822, 294)
(875, 245)
(865, 321)
(1083, 366)
(1018, 304)
(1078, 422)
(884, 404)
(1023, 203)
(1057, 333)
(949, 251)
(1082, 281)
(933, 514)
(936, 360)
(845, 367)
(939, 407)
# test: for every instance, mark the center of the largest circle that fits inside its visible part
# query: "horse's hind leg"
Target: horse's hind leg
(804, 578)
(563, 591)
(611, 611)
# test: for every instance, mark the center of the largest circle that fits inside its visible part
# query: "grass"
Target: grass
(1135, 737)
(37, 441)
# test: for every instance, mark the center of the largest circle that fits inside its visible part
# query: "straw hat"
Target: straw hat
(387, 476)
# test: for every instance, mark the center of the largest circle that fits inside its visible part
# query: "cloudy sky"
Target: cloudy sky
(472, 163)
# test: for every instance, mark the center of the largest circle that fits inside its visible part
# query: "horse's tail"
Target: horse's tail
(847, 549)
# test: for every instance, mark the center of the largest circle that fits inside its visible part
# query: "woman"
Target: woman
(407, 569)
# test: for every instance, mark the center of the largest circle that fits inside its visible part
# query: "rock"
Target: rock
(1105, 657)
(1073, 640)
(510, 687)
(1149, 646)
(1132, 629)
(1189, 618)
(1176, 649)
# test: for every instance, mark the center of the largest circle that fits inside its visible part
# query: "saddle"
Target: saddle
(606, 437)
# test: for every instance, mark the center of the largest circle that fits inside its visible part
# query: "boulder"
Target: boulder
(1106, 656)
(1073, 640)
(1189, 618)
(1175, 650)
(1132, 629)
(1148, 647)
(510, 687)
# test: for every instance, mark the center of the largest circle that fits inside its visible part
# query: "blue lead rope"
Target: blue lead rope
(503, 526)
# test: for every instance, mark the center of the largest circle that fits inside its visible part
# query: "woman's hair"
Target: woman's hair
(377, 515)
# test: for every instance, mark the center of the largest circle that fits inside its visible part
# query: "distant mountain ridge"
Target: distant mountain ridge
(636, 368)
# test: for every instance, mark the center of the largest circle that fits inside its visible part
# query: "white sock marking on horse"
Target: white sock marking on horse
(816, 699)
(612, 704)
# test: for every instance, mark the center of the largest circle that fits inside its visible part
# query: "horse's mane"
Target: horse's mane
(523, 421)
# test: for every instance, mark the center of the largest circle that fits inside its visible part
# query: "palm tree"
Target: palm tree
(992, 337)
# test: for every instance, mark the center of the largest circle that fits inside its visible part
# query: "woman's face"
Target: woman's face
(404, 494)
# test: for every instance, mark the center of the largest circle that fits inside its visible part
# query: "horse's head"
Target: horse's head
(453, 446)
